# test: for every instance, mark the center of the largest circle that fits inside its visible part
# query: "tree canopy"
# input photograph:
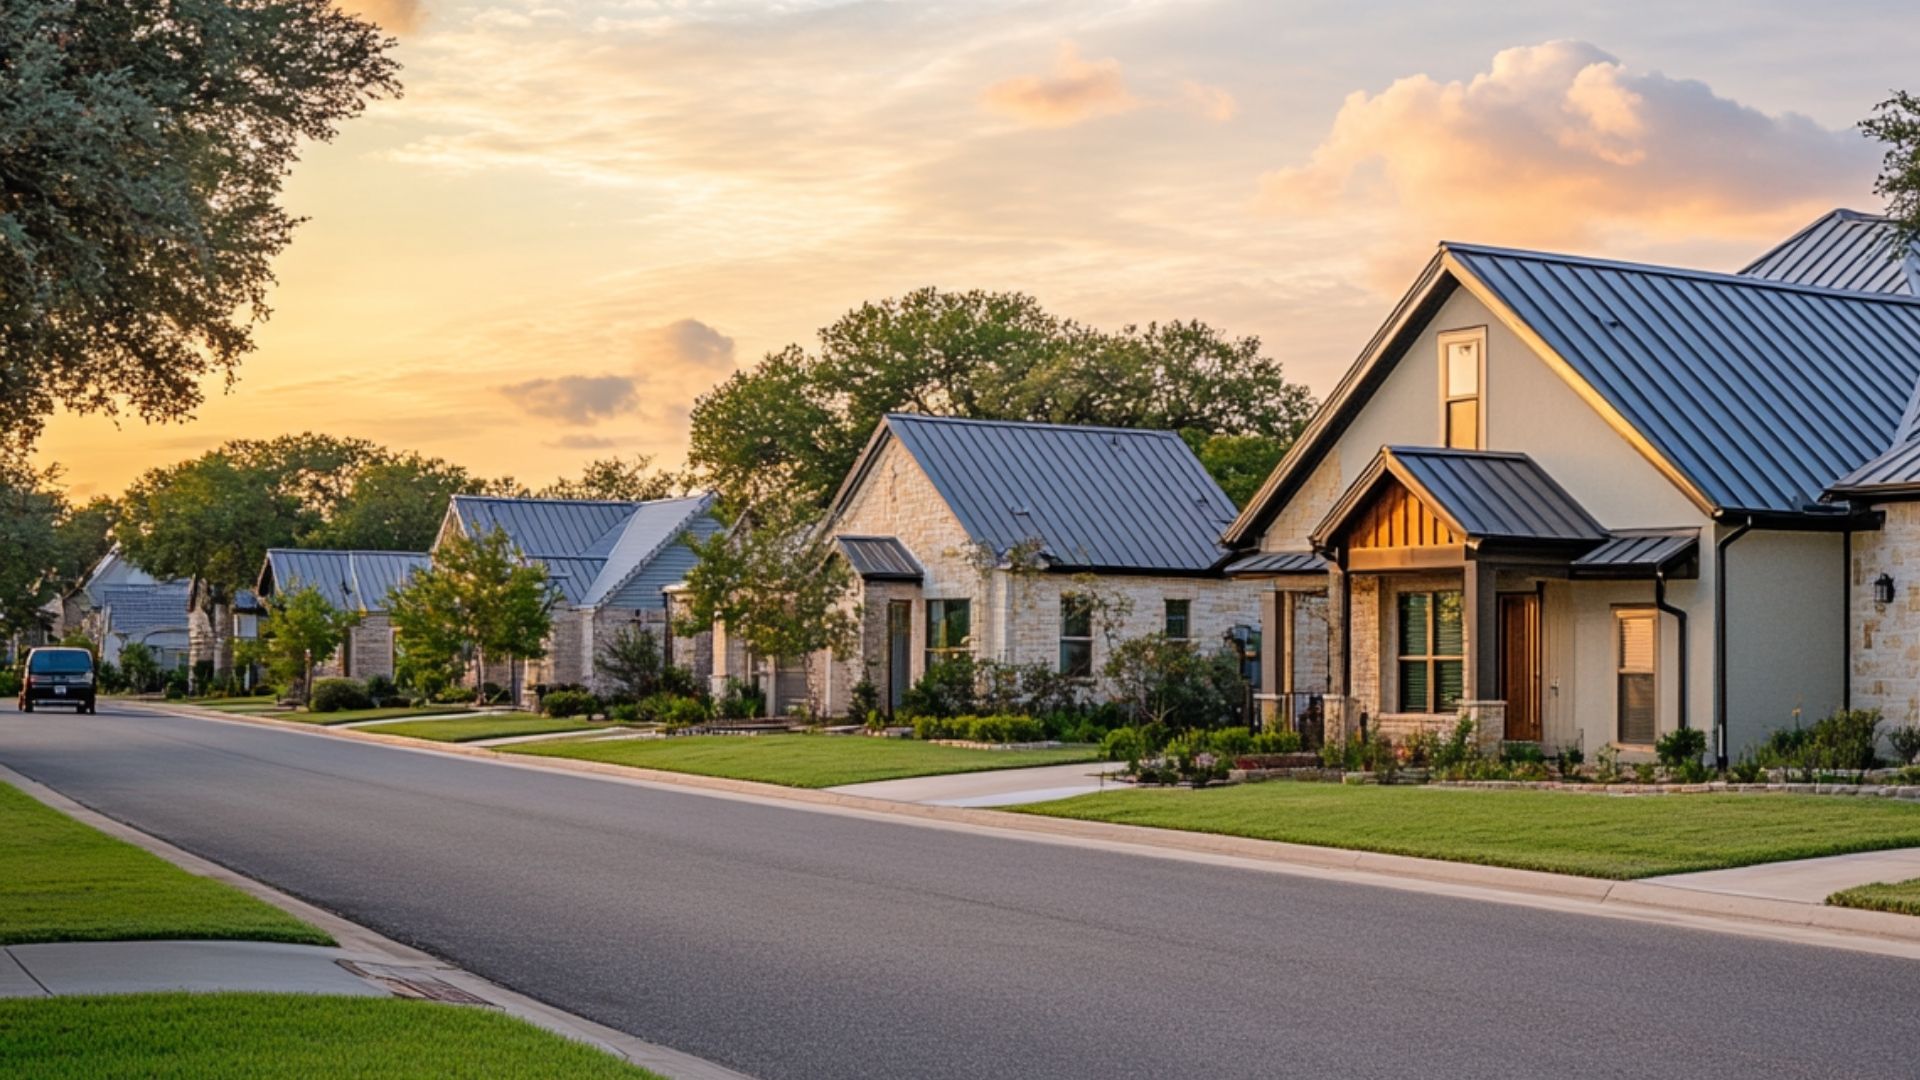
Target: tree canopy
(476, 596)
(301, 629)
(142, 151)
(616, 479)
(795, 423)
(1896, 123)
(211, 519)
(30, 548)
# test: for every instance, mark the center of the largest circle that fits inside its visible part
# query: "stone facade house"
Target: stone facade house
(1590, 502)
(118, 603)
(359, 581)
(611, 564)
(1022, 543)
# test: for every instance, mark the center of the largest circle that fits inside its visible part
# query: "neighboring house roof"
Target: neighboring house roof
(1638, 553)
(1895, 472)
(1094, 498)
(347, 580)
(112, 571)
(1751, 395)
(597, 553)
(1480, 494)
(879, 558)
(1276, 562)
(134, 611)
(1845, 249)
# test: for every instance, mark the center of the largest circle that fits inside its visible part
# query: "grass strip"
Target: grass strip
(504, 725)
(1898, 897)
(805, 761)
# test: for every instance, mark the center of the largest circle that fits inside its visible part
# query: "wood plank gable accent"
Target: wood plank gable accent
(1396, 518)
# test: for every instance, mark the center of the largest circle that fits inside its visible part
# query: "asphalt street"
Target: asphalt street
(785, 942)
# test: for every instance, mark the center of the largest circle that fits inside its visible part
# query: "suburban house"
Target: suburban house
(611, 565)
(357, 581)
(1588, 502)
(1023, 543)
(118, 603)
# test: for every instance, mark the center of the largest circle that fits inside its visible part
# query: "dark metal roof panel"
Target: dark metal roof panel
(1896, 470)
(137, 610)
(572, 577)
(1277, 562)
(1497, 495)
(1112, 498)
(879, 558)
(1640, 551)
(1844, 250)
(543, 527)
(347, 580)
(1760, 393)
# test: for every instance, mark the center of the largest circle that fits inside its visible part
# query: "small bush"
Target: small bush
(1680, 747)
(1522, 753)
(1458, 748)
(563, 703)
(1645, 773)
(452, 695)
(1568, 760)
(1905, 741)
(863, 701)
(338, 695)
(1746, 770)
(381, 689)
(1844, 741)
(686, 712)
(1123, 744)
(1231, 742)
(946, 690)
(626, 712)
(741, 701)
(1276, 742)
(986, 729)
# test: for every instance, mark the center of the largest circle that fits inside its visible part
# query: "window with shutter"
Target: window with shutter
(1636, 659)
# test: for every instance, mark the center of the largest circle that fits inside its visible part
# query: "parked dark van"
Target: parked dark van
(58, 676)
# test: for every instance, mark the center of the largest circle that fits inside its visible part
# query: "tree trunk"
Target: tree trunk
(220, 621)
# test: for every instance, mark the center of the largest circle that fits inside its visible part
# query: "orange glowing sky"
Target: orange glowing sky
(585, 212)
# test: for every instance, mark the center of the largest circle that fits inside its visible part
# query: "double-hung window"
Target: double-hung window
(1076, 636)
(1179, 624)
(1462, 367)
(949, 629)
(1636, 651)
(1432, 652)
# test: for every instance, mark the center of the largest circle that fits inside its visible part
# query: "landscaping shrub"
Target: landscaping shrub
(452, 695)
(564, 703)
(1276, 742)
(626, 712)
(176, 685)
(863, 702)
(1173, 683)
(740, 701)
(1230, 742)
(492, 693)
(1746, 770)
(107, 677)
(986, 729)
(9, 682)
(946, 690)
(1522, 753)
(338, 695)
(381, 689)
(1568, 761)
(1458, 748)
(1681, 747)
(1123, 744)
(1843, 741)
(686, 712)
(1905, 741)
(1195, 761)
(141, 670)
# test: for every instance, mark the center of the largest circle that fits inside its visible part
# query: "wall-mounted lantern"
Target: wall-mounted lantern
(1883, 589)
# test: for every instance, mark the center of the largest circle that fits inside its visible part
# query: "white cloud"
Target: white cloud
(688, 343)
(574, 399)
(1076, 90)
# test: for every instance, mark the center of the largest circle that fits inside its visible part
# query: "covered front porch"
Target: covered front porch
(1470, 584)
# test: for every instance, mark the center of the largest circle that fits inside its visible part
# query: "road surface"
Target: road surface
(789, 943)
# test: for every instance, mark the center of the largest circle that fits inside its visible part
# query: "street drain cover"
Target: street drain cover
(414, 983)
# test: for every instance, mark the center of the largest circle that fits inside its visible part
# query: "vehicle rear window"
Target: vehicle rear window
(61, 662)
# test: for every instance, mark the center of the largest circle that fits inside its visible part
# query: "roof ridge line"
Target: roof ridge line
(1717, 276)
(1048, 424)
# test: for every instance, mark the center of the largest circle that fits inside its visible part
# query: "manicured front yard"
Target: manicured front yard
(348, 716)
(1899, 897)
(63, 881)
(807, 761)
(499, 726)
(1591, 835)
(234, 704)
(268, 1036)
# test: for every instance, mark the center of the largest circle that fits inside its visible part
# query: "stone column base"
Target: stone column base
(1489, 723)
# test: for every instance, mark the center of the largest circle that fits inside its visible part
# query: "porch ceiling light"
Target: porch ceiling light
(1883, 589)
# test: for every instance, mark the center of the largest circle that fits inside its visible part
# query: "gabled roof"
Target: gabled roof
(135, 611)
(1095, 498)
(591, 548)
(1751, 395)
(1480, 494)
(347, 580)
(1845, 249)
(879, 558)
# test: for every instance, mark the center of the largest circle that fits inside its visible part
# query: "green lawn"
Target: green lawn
(269, 1036)
(499, 726)
(234, 704)
(808, 761)
(1899, 897)
(63, 881)
(348, 716)
(1591, 835)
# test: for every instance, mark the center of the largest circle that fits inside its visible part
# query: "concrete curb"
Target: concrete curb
(1637, 899)
(358, 943)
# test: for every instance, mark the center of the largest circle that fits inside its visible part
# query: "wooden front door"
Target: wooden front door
(899, 652)
(1520, 664)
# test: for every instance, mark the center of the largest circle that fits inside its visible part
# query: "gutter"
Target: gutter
(1720, 547)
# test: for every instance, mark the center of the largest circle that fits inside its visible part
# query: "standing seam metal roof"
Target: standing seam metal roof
(1098, 497)
(1844, 249)
(347, 580)
(879, 558)
(1896, 470)
(1760, 393)
(1277, 562)
(138, 610)
(569, 528)
(1639, 552)
(1495, 496)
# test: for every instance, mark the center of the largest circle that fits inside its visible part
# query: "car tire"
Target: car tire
(26, 705)
(87, 708)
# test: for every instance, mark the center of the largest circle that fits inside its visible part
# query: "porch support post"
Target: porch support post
(1480, 616)
(1273, 638)
(1340, 611)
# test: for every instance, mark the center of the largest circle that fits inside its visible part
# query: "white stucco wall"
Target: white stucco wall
(1786, 631)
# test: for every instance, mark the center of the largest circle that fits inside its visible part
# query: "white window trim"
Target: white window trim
(1477, 335)
(1652, 614)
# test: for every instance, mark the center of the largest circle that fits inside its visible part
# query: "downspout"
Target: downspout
(1846, 620)
(1680, 624)
(1720, 547)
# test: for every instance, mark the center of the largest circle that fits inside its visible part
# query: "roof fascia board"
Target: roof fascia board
(1432, 286)
(1574, 380)
(861, 466)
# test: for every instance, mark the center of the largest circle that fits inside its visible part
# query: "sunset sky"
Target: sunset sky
(585, 212)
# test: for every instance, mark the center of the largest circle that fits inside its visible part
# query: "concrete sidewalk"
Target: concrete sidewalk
(997, 787)
(139, 967)
(1802, 881)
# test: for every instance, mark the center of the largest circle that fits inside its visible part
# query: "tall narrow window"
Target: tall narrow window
(1462, 356)
(1635, 659)
(1076, 636)
(1432, 652)
(1179, 619)
(949, 629)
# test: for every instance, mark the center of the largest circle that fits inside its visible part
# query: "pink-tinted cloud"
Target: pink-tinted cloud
(574, 399)
(1076, 90)
(1562, 145)
(1214, 103)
